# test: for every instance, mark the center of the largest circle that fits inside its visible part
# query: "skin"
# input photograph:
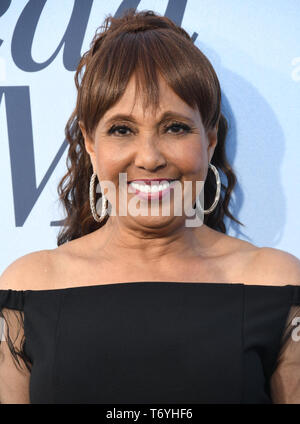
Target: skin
(147, 151)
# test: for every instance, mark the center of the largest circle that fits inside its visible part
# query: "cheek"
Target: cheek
(191, 158)
(110, 163)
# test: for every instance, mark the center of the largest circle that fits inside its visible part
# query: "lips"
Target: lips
(151, 181)
(153, 191)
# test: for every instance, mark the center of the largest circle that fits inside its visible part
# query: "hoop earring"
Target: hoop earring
(217, 197)
(92, 201)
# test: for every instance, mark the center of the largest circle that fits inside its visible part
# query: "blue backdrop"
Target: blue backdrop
(255, 50)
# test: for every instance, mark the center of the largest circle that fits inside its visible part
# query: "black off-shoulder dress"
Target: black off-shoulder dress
(154, 342)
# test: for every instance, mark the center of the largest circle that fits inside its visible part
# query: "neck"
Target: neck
(146, 245)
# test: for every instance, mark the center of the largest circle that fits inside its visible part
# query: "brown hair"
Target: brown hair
(140, 43)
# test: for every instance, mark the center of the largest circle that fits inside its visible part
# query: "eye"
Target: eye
(115, 128)
(178, 126)
(120, 130)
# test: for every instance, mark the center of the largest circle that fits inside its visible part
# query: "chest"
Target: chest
(79, 272)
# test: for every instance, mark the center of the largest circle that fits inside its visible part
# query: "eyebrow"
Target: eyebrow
(165, 116)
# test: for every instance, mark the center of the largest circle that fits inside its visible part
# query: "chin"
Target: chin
(154, 222)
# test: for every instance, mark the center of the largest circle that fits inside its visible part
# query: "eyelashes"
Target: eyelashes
(177, 125)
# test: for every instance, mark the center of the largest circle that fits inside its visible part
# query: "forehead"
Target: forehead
(131, 102)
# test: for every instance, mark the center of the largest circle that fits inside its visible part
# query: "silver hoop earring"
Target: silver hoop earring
(92, 201)
(217, 197)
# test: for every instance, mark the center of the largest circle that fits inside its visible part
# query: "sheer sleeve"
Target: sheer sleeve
(15, 365)
(12, 327)
(285, 380)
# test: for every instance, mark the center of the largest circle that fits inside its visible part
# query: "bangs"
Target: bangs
(145, 54)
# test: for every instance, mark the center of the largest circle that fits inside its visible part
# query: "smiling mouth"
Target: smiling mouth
(153, 190)
(152, 181)
(151, 186)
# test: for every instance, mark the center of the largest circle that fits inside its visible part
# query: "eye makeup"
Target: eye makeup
(175, 124)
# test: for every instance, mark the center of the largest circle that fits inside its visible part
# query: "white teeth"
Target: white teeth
(145, 188)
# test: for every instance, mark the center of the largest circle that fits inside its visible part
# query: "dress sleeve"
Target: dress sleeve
(12, 336)
(285, 380)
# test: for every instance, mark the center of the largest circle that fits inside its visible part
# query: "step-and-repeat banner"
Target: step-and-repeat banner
(254, 48)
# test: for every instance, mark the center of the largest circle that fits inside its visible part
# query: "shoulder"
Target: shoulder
(275, 267)
(261, 265)
(28, 272)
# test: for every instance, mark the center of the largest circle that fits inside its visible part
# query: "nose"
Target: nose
(148, 155)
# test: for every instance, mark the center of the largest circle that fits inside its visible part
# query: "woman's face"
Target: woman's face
(170, 144)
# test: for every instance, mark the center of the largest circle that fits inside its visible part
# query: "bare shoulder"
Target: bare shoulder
(259, 265)
(276, 267)
(28, 272)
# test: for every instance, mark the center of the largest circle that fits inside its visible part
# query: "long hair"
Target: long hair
(139, 43)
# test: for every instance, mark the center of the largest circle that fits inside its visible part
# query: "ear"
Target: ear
(89, 145)
(212, 137)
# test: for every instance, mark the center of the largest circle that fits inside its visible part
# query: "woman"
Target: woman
(144, 308)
